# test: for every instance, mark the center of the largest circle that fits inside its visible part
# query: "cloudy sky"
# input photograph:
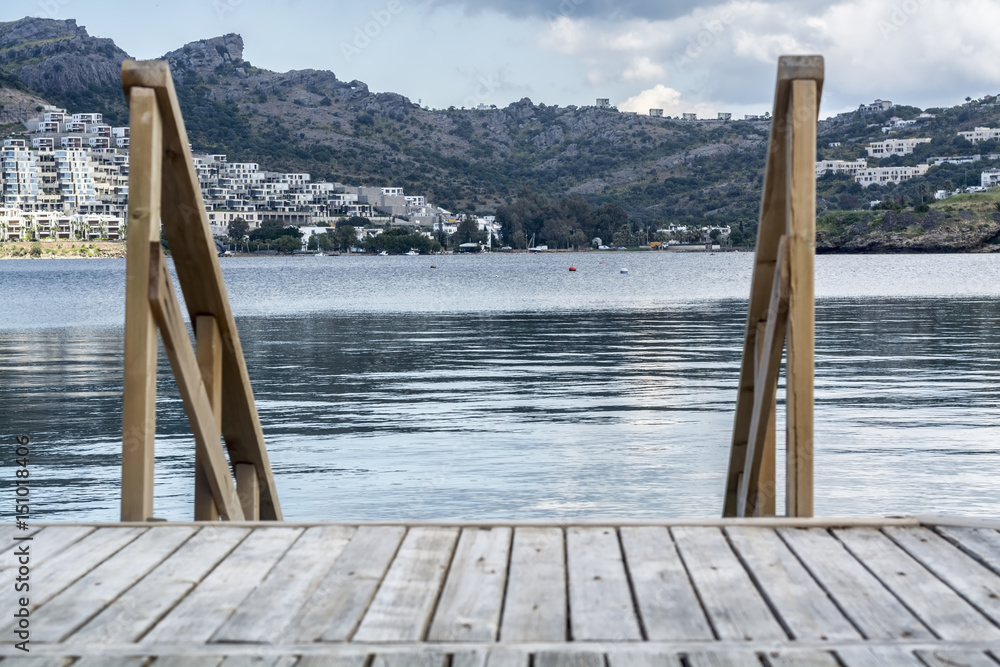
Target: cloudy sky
(676, 55)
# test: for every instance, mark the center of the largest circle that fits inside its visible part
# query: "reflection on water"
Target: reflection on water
(487, 400)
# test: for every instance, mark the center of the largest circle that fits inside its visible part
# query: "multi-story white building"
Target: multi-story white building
(656, 113)
(851, 167)
(990, 178)
(76, 178)
(881, 149)
(21, 175)
(981, 134)
(876, 107)
(883, 175)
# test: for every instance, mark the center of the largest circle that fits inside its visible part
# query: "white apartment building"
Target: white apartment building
(21, 175)
(876, 107)
(851, 167)
(883, 175)
(881, 149)
(656, 113)
(981, 134)
(19, 225)
(88, 118)
(990, 178)
(957, 159)
(76, 178)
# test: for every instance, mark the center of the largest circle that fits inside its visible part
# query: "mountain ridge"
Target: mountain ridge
(658, 170)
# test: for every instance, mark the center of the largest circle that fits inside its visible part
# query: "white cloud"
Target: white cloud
(643, 69)
(668, 99)
(923, 52)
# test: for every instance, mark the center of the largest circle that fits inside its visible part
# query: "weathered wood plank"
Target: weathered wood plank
(108, 661)
(187, 661)
(58, 572)
(199, 615)
(265, 614)
(259, 661)
(422, 659)
(983, 543)
(332, 661)
(335, 608)
(600, 598)
(643, 659)
(937, 605)
(955, 658)
(404, 602)
(804, 607)
(131, 615)
(77, 603)
(469, 608)
(43, 545)
(734, 658)
(871, 607)
(18, 661)
(186, 227)
(883, 656)
(139, 395)
(801, 659)
(668, 605)
(500, 657)
(732, 603)
(961, 572)
(569, 658)
(535, 608)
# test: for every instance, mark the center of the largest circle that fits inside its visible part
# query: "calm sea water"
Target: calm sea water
(509, 387)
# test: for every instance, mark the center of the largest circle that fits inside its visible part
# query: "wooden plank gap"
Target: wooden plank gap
(643, 632)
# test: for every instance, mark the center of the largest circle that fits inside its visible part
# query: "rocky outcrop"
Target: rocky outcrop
(58, 57)
(912, 232)
(205, 57)
(17, 106)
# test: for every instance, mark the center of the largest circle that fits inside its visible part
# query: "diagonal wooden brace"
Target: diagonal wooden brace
(765, 383)
(207, 438)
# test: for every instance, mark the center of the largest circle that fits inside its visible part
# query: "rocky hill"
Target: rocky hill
(658, 170)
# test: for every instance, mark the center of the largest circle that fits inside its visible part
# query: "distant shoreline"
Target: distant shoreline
(63, 249)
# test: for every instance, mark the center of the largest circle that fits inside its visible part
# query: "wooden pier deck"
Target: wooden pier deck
(725, 592)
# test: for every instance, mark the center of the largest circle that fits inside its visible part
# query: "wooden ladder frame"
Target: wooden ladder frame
(782, 305)
(213, 382)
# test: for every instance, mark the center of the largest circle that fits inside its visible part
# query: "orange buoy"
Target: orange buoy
(572, 268)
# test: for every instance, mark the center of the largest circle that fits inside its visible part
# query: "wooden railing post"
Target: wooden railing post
(139, 399)
(781, 306)
(214, 383)
(803, 108)
(210, 363)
